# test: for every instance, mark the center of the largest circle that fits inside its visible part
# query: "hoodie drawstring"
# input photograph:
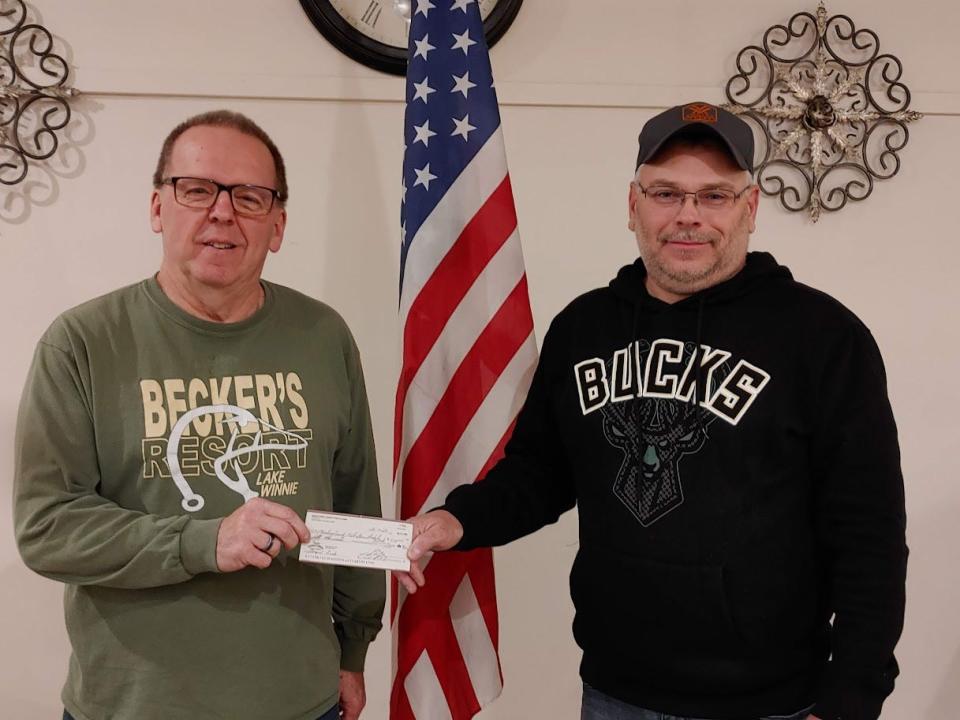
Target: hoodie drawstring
(697, 366)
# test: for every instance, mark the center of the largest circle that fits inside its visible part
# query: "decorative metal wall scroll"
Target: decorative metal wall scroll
(830, 111)
(33, 93)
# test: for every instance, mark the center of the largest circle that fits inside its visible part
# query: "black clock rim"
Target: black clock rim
(387, 58)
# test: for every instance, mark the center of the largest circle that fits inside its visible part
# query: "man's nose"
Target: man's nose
(689, 211)
(222, 208)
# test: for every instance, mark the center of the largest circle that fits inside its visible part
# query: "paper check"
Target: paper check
(357, 541)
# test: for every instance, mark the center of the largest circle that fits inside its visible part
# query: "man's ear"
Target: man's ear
(632, 196)
(753, 203)
(279, 225)
(155, 223)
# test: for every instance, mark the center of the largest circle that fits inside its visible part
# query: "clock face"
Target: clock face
(375, 32)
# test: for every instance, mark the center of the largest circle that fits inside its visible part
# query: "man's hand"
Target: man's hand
(254, 533)
(437, 530)
(353, 696)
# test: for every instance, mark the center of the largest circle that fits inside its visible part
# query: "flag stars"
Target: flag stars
(422, 90)
(424, 6)
(424, 133)
(463, 128)
(460, 5)
(462, 42)
(424, 177)
(462, 84)
(423, 47)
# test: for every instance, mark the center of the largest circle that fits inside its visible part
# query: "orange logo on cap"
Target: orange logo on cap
(699, 112)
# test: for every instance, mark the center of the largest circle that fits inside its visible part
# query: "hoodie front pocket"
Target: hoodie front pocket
(649, 608)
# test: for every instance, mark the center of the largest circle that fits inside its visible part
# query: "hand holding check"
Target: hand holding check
(435, 530)
(254, 533)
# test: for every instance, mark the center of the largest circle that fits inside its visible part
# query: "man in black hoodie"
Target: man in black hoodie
(726, 435)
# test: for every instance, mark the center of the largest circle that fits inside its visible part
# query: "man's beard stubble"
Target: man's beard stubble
(685, 281)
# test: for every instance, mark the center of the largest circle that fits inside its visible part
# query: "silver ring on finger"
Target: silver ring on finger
(266, 548)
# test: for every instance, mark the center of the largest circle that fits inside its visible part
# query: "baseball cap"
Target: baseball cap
(734, 132)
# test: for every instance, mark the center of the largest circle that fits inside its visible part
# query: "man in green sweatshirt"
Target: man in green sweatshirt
(171, 437)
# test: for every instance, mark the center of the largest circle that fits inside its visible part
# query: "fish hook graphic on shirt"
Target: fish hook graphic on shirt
(237, 417)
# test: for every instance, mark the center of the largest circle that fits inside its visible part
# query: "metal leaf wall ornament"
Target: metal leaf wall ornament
(829, 111)
(33, 93)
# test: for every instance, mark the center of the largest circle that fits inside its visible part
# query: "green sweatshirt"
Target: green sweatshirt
(142, 427)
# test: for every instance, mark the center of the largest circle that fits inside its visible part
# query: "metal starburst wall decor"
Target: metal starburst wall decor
(828, 109)
(33, 93)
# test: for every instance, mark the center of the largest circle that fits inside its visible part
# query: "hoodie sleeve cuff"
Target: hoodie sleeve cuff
(458, 505)
(839, 701)
(847, 706)
(198, 546)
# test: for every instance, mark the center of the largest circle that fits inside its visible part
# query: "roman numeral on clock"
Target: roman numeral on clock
(372, 13)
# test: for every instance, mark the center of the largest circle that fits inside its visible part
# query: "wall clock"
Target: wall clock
(374, 32)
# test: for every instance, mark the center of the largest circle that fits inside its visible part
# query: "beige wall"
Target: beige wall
(577, 79)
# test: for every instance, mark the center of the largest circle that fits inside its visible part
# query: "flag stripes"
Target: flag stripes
(468, 353)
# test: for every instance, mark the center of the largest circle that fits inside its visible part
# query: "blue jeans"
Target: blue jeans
(598, 706)
(332, 714)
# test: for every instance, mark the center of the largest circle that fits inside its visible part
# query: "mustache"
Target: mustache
(686, 236)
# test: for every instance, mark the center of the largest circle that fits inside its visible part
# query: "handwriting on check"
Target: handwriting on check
(356, 541)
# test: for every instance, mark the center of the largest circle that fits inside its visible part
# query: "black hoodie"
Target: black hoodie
(735, 465)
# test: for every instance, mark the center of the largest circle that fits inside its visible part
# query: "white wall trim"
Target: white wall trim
(390, 90)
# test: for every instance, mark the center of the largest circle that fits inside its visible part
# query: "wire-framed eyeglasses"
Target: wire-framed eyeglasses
(710, 198)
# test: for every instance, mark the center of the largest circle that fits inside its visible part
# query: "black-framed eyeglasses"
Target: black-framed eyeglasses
(705, 198)
(253, 200)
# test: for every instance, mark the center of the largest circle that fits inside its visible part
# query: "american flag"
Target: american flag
(468, 352)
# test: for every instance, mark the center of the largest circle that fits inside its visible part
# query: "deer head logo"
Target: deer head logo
(654, 435)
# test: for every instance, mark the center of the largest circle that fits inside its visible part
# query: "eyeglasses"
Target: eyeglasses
(705, 198)
(252, 200)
